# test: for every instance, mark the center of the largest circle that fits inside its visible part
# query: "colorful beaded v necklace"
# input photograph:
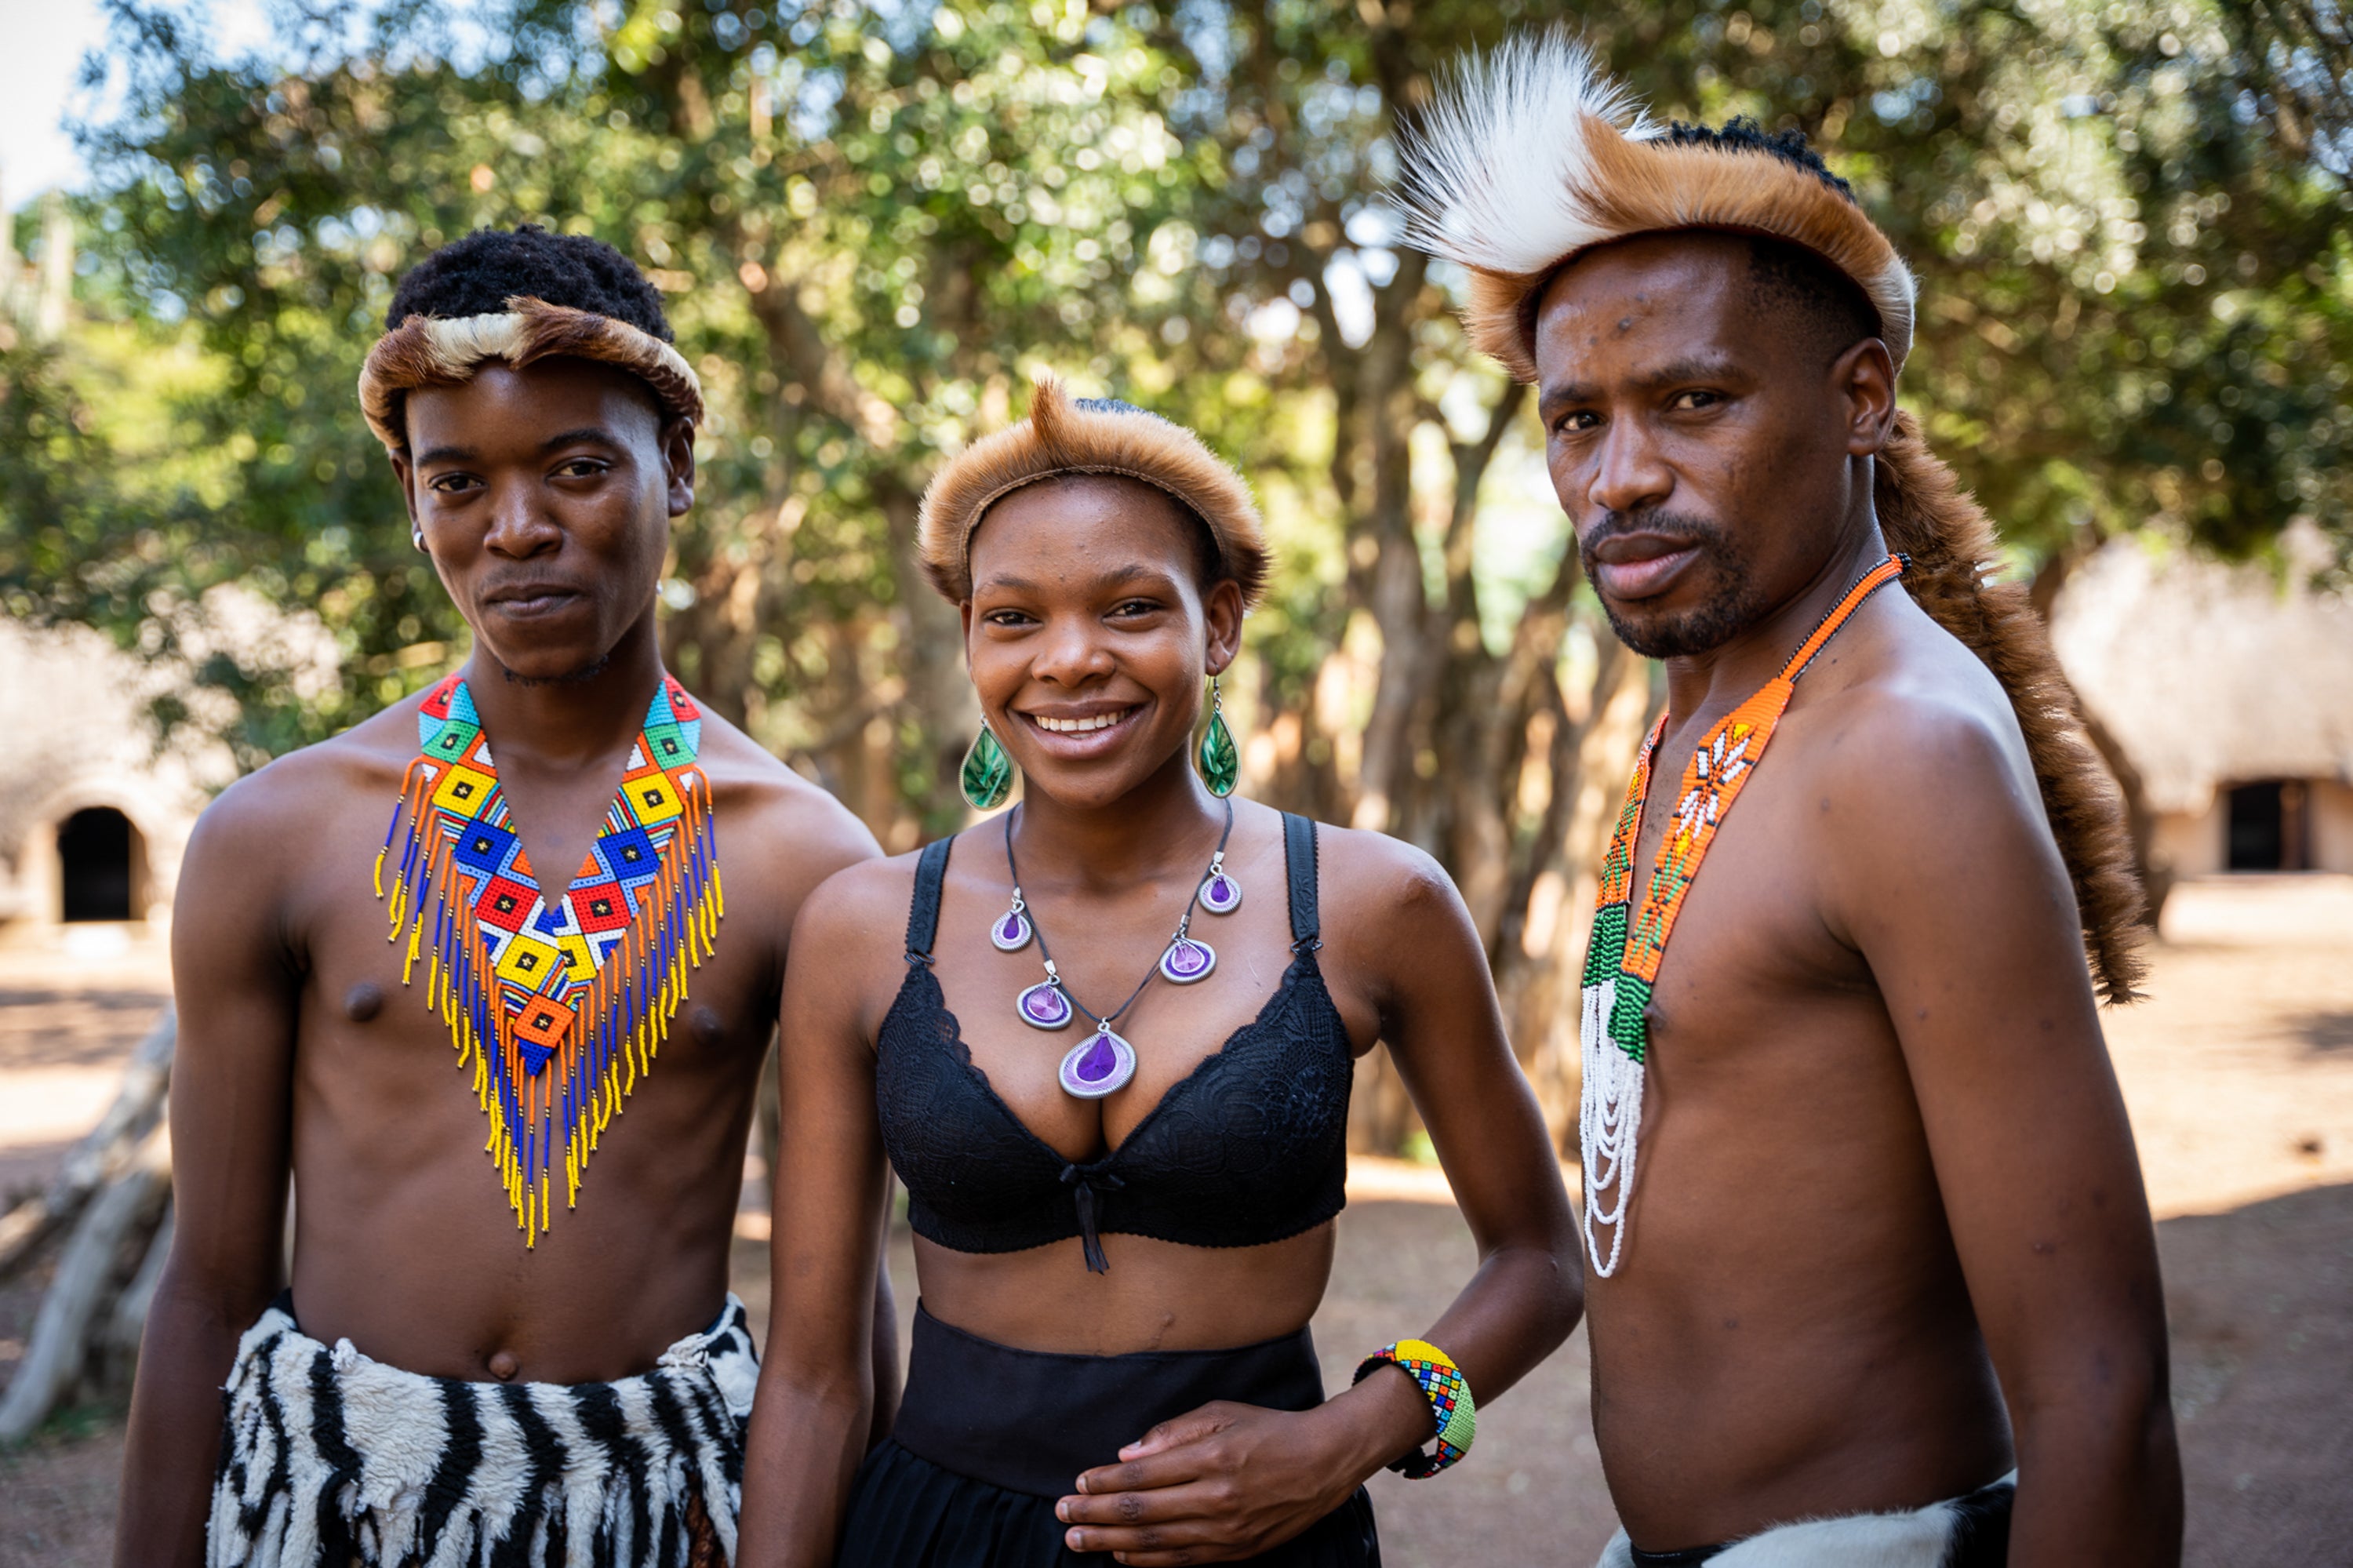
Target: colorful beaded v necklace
(1621, 967)
(586, 986)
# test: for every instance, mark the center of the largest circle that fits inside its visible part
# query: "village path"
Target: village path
(2238, 1071)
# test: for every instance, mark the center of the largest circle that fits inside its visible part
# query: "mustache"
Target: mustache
(1684, 526)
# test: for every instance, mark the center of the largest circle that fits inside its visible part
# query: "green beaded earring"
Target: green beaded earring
(987, 773)
(1220, 763)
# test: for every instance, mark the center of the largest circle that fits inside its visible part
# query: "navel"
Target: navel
(363, 1001)
(503, 1366)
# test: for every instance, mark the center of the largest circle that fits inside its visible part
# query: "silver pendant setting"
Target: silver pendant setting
(1043, 1006)
(1188, 959)
(1013, 933)
(1102, 1062)
(1100, 1065)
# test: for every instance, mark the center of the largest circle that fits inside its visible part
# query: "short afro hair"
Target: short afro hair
(477, 275)
(1743, 134)
(1827, 310)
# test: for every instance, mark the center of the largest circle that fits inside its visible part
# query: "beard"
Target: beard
(1729, 602)
(580, 677)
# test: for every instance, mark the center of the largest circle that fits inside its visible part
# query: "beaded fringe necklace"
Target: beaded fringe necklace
(588, 985)
(1621, 967)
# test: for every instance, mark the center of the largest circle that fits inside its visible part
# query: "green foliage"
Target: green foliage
(874, 223)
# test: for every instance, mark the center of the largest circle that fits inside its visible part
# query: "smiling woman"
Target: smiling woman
(1121, 1230)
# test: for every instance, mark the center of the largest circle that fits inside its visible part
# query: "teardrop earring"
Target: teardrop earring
(1220, 763)
(988, 772)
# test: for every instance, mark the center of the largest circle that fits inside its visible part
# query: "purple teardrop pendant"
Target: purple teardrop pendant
(1043, 1006)
(1100, 1065)
(1012, 933)
(1188, 959)
(1221, 895)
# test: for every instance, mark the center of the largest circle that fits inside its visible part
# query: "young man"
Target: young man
(1888, 1239)
(509, 1336)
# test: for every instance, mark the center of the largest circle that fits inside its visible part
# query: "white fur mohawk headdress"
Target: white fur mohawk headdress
(1532, 155)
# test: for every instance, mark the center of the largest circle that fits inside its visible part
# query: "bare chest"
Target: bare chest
(400, 973)
(1749, 950)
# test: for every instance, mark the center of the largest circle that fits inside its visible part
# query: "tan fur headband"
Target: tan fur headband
(427, 351)
(1532, 155)
(1062, 435)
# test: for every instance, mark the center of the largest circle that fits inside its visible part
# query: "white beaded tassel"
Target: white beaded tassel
(1608, 1125)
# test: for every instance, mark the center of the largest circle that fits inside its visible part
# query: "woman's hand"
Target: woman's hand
(1227, 1482)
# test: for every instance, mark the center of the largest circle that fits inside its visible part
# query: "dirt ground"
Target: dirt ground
(2238, 1071)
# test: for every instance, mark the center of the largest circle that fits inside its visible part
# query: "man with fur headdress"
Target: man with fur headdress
(498, 1330)
(1888, 1268)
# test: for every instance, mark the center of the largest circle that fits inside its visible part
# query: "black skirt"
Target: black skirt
(989, 1439)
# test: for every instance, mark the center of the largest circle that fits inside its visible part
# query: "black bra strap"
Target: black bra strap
(1299, 866)
(924, 917)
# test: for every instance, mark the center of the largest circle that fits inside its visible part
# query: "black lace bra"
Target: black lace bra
(1251, 1146)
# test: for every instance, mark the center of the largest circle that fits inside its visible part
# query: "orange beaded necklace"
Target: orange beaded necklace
(1621, 967)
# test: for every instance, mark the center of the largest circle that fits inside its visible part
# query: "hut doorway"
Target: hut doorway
(2267, 831)
(101, 862)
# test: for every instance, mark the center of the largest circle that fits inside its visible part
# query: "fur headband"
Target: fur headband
(1087, 436)
(1532, 155)
(428, 351)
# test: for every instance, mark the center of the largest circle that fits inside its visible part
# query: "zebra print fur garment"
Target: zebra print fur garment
(332, 1460)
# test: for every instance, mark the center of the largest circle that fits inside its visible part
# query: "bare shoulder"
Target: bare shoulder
(251, 867)
(1915, 762)
(864, 904)
(847, 944)
(1381, 897)
(795, 830)
(1906, 711)
(307, 792)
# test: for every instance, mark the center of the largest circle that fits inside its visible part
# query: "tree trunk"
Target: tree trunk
(99, 1156)
(111, 1202)
(78, 1314)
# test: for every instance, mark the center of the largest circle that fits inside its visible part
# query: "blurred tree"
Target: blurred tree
(876, 222)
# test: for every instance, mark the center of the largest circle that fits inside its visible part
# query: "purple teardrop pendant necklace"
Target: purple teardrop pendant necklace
(1103, 1063)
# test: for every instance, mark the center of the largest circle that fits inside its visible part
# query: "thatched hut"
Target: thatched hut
(2230, 690)
(93, 814)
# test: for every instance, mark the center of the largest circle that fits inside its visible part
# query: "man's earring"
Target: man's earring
(1221, 763)
(987, 773)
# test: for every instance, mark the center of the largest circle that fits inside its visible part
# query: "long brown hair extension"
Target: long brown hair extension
(1925, 514)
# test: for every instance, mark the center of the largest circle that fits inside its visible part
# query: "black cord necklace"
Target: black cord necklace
(1103, 1061)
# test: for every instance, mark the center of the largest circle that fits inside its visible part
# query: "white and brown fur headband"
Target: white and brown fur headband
(1532, 155)
(1063, 436)
(430, 351)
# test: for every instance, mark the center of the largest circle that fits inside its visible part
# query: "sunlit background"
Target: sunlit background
(874, 224)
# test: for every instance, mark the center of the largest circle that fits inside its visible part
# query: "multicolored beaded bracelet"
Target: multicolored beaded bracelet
(1449, 1393)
